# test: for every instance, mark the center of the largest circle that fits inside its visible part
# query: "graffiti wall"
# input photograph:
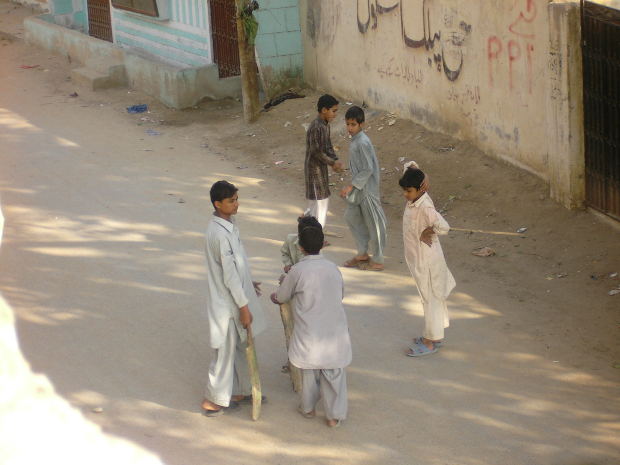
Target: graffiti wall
(478, 70)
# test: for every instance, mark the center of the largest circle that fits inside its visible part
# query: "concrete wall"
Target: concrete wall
(184, 39)
(481, 71)
(610, 3)
(175, 86)
(40, 6)
(70, 13)
(278, 42)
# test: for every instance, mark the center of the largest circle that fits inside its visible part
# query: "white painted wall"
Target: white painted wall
(481, 71)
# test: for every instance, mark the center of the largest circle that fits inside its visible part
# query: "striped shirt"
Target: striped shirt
(319, 154)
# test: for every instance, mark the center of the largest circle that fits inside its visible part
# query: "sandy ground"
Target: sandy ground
(102, 261)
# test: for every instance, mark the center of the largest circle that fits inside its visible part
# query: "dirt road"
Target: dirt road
(102, 261)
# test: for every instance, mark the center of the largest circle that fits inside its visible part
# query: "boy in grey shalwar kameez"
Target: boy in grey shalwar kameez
(290, 250)
(320, 345)
(365, 215)
(232, 305)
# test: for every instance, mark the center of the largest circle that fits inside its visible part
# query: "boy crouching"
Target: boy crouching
(320, 345)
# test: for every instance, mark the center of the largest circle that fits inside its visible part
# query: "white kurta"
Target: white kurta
(427, 264)
(229, 283)
(321, 334)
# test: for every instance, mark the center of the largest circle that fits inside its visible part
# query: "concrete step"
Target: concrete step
(93, 79)
(109, 65)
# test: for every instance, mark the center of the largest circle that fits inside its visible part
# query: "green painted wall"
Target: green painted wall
(278, 42)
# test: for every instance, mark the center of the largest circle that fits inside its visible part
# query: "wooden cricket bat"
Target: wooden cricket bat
(287, 322)
(250, 353)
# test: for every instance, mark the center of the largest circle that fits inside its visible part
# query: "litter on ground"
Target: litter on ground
(141, 108)
(483, 252)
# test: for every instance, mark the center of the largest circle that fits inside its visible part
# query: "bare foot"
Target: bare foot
(208, 405)
(428, 343)
(372, 266)
(355, 261)
(310, 414)
(333, 423)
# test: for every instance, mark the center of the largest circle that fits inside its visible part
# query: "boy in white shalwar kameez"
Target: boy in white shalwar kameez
(232, 305)
(320, 345)
(424, 256)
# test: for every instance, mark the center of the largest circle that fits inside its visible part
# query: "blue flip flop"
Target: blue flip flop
(418, 340)
(419, 350)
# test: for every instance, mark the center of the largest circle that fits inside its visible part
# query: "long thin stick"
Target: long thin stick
(502, 233)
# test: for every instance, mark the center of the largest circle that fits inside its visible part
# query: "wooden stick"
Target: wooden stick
(287, 322)
(486, 232)
(250, 353)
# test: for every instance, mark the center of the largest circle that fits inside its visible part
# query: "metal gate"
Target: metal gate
(601, 90)
(224, 33)
(99, 20)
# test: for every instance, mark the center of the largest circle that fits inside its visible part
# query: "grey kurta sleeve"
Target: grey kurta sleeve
(363, 163)
(285, 251)
(232, 280)
(287, 288)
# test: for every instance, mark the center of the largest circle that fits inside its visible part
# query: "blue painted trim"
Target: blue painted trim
(159, 40)
(169, 29)
(161, 53)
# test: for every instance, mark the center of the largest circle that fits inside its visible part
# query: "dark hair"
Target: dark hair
(325, 101)
(305, 221)
(355, 113)
(222, 190)
(412, 177)
(311, 239)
